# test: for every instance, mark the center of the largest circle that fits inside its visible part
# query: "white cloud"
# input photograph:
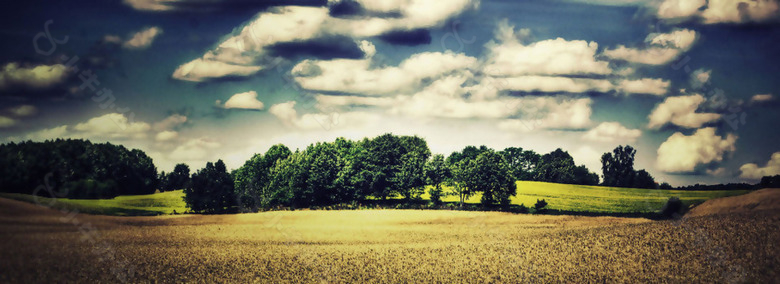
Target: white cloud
(142, 39)
(680, 111)
(166, 135)
(700, 77)
(752, 171)
(658, 87)
(357, 76)
(684, 154)
(716, 172)
(552, 84)
(661, 48)
(551, 113)
(170, 122)
(249, 46)
(761, 98)
(23, 110)
(151, 5)
(287, 114)
(611, 132)
(115, 39)
(6, 122)
(720, 11)
(245, 100)
(508, 56)
(203, 69)
(39, 77)
(194, 150)
(112, 125)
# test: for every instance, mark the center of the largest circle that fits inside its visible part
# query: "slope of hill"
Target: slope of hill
(764, 199)
(126, 205)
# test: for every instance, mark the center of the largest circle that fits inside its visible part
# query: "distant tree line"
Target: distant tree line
(322, 174)
(75, 169)
(346, 171)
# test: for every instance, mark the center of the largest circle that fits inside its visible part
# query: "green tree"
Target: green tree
(178, 178)
(490, 174)
(410, 178)
(618, 167)
(436, 172)
(211, 190)
(253, 178)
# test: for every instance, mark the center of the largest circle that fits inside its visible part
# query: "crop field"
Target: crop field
(563, 197)
(389, 246)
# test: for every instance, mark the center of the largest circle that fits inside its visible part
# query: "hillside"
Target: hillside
(764, 199)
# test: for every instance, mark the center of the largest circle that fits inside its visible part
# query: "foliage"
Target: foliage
(75, 169)
(558, 166)
(490, 175)
(211, 191)
(522, 163)
(770, 182)
(253, 178)
(618, 170)
(179, 178)
(540, 205)
(673, 208)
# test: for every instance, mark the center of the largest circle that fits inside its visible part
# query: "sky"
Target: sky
(691, 84)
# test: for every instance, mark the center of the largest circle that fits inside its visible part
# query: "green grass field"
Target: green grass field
(601, 199)
(562, 197)
(128, 205)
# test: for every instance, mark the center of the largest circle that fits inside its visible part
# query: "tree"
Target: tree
(79, 168)
(458, 180)
(490, 175)
(770, 182)
(557, 166)
(211, 190)
(178, 178)
(618, 170)
(436, 172)
(618, 167)
(540, 205)
(585, 177)
(410, 177)
(252, 179)
(643, 179)
(514, 159)
(665, 185)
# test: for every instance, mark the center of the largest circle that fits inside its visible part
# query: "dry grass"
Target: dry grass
(390, 246)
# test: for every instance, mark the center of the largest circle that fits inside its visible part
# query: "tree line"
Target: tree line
(324, 173)
(346, 171)
(76, 169)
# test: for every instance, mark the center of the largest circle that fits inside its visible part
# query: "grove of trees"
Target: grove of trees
(76, 169)
(618, 170)
(346, 171)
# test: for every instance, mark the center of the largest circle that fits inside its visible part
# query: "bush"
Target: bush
(673, 209)
(540, 205)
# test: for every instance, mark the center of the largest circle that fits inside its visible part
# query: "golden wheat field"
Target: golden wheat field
(389, 246)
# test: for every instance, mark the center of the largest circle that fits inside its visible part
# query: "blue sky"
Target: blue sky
(690, 84)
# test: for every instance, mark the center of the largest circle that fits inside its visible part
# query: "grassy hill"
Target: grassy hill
(602, 199)
(127, 205)
(561, 197)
